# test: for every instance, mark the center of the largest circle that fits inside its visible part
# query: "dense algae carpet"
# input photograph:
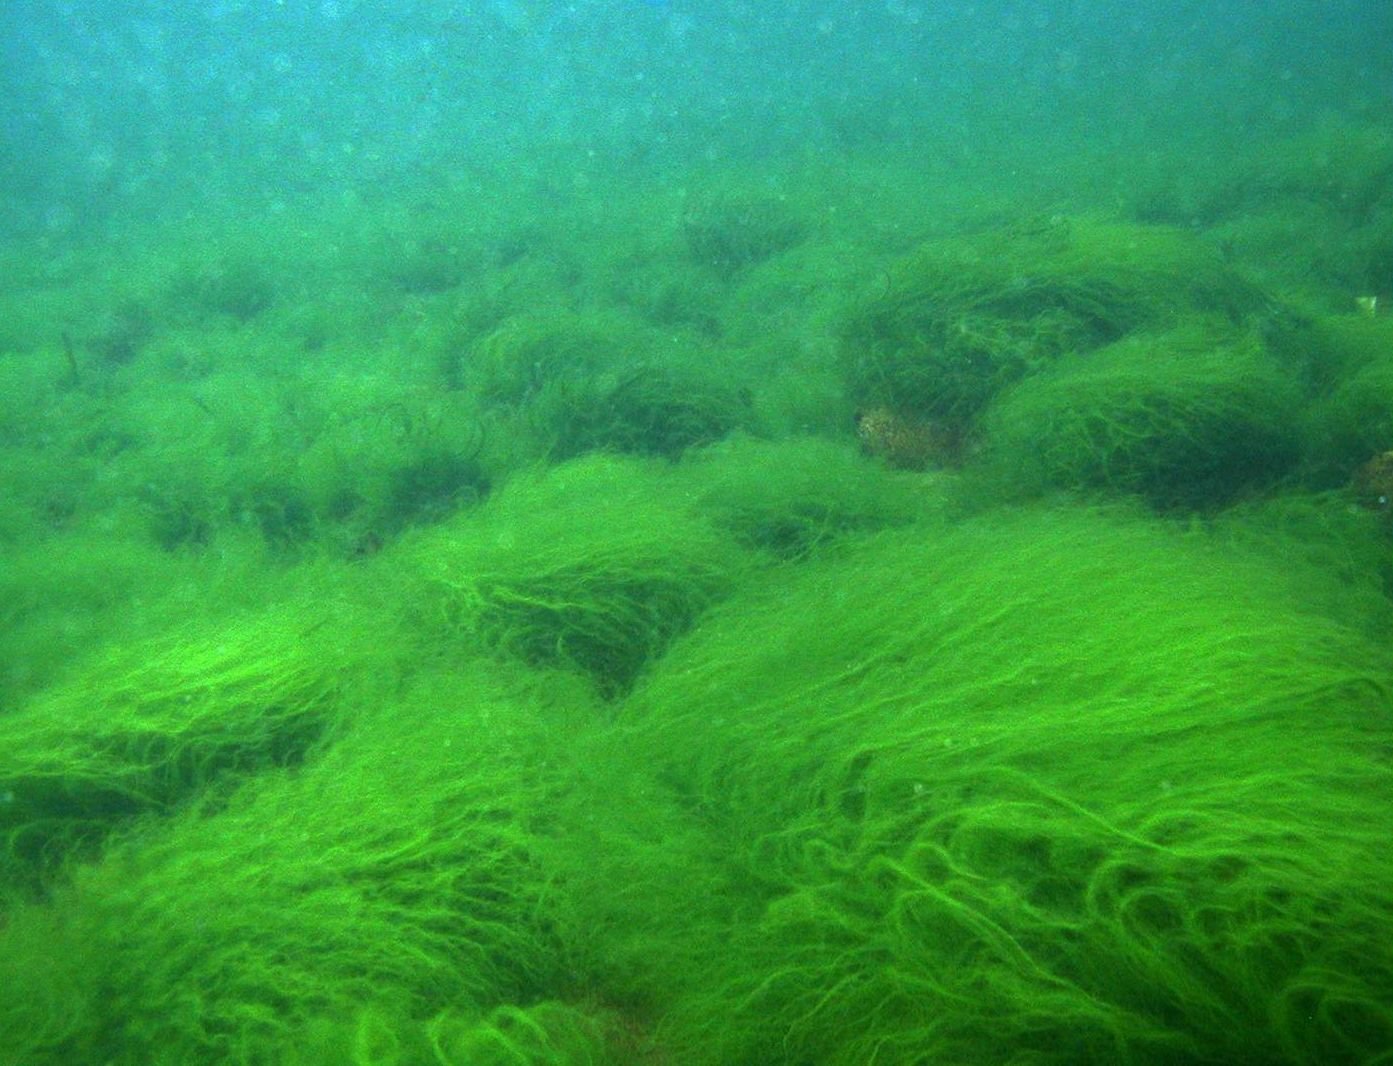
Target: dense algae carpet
(1048, 786)
(504, 653)
(1052, 787)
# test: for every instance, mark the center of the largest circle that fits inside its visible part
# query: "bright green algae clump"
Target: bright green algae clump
(160, 725)
(592, 566)
(382, 905)
(1045, 786)
(1056, 787)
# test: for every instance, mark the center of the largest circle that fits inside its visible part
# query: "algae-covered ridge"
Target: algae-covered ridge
(798, 614)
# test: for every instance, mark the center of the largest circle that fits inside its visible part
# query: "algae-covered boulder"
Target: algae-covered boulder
(1060, 787)
(1189, 418)
(1354, 421)
(656, 408)
(797, 497)
(381, 904)
(961, 319)
(569, 383)
(507, 367)
(235, 288)
(729, 230)
(167, 723)
(594, 566)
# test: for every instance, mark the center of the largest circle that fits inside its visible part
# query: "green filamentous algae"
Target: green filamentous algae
(656, 533)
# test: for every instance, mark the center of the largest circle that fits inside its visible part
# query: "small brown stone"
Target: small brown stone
(907, 443)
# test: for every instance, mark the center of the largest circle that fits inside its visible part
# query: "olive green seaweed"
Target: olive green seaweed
(1354, 422)
(63, 595)
(729, 230)
(546, 1033)
(1190, 418)
(566, 383)
(950, 326)
(510, 365)
(642, 410)
(1335, 557)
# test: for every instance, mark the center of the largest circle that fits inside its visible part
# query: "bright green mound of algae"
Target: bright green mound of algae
(381, 905)
(1045, 787)
(1053, 787)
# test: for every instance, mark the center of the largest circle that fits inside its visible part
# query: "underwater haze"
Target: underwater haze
(675, 533)
(129, 107)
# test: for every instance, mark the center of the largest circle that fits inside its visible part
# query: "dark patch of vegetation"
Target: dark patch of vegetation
(729, 232)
